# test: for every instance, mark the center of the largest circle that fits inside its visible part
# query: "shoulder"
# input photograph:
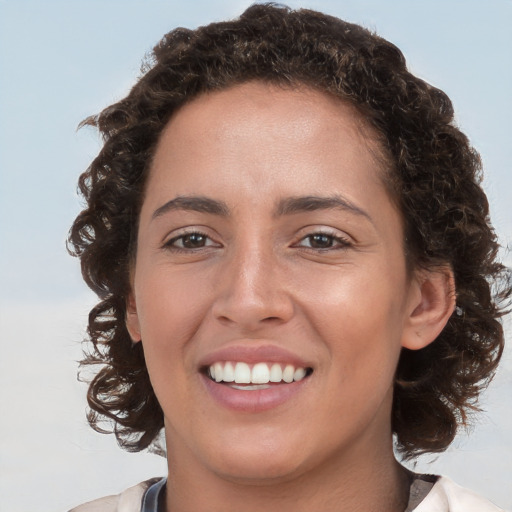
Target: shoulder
(129, 500)
(447, 496)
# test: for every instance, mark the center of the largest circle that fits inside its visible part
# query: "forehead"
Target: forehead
(266, 125)
(255, 103)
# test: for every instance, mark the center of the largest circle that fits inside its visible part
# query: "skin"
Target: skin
(345, 303)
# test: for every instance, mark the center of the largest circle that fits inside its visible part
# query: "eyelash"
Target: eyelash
(170, 244)
(342, 243)
(337, 242)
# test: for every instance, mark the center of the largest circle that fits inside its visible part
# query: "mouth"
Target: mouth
(243, 376)
(256, 377)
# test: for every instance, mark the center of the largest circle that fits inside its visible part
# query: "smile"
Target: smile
(254, 387)
(259, 374)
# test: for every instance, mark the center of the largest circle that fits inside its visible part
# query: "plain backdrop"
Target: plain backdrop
(61, 61)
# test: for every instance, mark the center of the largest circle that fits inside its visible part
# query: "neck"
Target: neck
(347, 482)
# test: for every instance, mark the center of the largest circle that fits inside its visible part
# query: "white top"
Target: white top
(445, 496)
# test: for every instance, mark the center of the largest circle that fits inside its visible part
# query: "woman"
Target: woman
(294, 261)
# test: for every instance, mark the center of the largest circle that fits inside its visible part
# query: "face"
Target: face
(270, 288)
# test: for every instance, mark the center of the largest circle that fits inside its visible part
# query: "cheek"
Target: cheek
(171, 310)
(170, 317)
(353, 297)
(169, 304)
(358, 314)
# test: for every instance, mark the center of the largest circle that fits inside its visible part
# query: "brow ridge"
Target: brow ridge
(286, 206)
(292, 205)
(193, 203)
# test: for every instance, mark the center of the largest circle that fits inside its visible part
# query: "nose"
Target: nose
(252, 291)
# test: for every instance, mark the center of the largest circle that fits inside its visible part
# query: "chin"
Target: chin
(259, 471)
(258, 460)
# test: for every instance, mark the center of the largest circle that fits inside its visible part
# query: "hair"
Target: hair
(434, 175)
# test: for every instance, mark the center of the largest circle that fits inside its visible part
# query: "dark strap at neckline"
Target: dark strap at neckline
(154, 498)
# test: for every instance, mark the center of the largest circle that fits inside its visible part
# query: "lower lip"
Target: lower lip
(257, 400)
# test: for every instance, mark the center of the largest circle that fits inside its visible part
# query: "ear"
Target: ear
(132, 319)
(432, 301)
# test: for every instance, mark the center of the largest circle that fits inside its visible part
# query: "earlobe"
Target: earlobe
(132, 319)
(432, 303)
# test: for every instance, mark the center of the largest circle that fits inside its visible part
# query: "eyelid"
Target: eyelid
(169, 241)
(344, 240)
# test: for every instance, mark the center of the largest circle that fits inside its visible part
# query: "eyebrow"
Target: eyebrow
(292, 205)
(287, 206)
(193, 203)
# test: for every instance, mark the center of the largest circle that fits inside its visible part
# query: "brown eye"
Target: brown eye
(320, 241)
(193, 241)
(189, 241)
(323, 241)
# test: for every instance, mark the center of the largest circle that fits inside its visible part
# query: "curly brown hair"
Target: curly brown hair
(434, 176)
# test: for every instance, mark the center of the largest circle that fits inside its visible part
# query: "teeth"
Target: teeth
(229, 373)
(299, 374)
(242, 373)
(260, 374)
(288, 372)
(250, 387)
(217, 369)
(276, 373)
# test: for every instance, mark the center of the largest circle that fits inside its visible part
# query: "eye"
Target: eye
(189, 241)
(323, 241)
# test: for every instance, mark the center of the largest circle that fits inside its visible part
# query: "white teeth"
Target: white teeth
(229, 373)
(276, 373)
(218, 372)
(242, 373)
(299, 374)
(260, 374)
(249, 387)
(288, 372)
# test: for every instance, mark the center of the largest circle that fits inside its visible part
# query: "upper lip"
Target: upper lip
(252, 354)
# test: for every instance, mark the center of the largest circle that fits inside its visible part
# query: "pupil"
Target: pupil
(193, 241)
(321, 241)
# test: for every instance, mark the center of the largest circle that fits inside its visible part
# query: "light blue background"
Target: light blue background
(61, 61)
